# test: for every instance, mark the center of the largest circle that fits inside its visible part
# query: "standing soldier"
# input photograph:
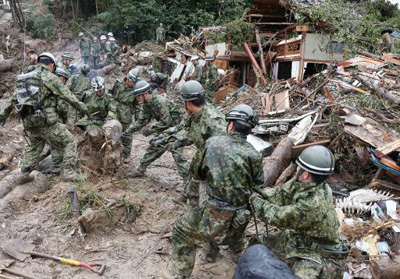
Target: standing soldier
(96, 49)
(198, 70)
(35, 99)
(115, 49)
(167, 115)
(78, 84)
(127, 106)
(232, 170)
(212, 79)
(303, 208)
(62, 106)
(104, 47)
(101, 106)
(66, 60)
(84, 47)
(159, 82)
(160, 34)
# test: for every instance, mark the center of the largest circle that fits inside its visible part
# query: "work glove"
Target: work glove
(255, 199)
(159, 140)
(146, 132)
(2, 121)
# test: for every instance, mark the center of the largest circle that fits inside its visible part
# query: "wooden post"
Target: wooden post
(256, 68)
(261, 52)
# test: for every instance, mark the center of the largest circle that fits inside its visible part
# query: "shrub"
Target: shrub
(40, 26)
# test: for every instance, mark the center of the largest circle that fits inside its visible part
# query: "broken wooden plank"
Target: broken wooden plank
(391, 59)
(389, 147)
(375, 86)
(261, 52)
(282, 101)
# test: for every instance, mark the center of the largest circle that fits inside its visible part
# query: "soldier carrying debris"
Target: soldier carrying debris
(35, 99)
(84, 47)
(127, 106)
(310, 242)
(156, 107)
(232, 169)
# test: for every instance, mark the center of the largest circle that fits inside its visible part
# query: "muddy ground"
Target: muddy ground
(130, 250)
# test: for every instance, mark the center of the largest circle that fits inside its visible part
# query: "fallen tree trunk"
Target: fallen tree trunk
(6, 65)
(374, 86)
(386, 268)
(277, 162)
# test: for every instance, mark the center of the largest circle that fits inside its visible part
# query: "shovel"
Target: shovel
(4, 266)
(20, 250)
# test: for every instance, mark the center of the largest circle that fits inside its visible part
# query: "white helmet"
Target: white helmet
(80, 34)
(102, 37)
(97, 83)
(110, 34)
(47, 55)
(111, 39)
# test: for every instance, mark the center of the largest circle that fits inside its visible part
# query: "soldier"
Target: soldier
(160, 34)
(96, 49)
(167, 115)
(62, 106)
(212, 79)
(84, 47)
(113, 55)
(78, 84)
(110, 35)
(198, 70)
(101, 106)
(303, 208)
(232, 170)
(127, 106)
(104, 47)
(159, 82)
(67, 59)
(32, 60)
(35, 99)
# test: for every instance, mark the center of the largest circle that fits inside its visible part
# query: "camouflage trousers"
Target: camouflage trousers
(155, 152)
(63, 146)
(126, 142)
(201, 225)
(306, 267)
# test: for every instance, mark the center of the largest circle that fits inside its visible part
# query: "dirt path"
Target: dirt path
(138, 250)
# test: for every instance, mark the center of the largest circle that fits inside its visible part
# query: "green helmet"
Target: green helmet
(98, 83)
(134, 74)
(317, 159)
(192, 90)
(60, 72)
(244, 115)
(141, 87)
(85, 69)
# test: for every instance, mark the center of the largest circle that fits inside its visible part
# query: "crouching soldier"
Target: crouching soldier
(165, 112)
(232, 169)
(310, 242)
(35, 99)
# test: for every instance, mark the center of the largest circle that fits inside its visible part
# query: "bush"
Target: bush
(40, 26)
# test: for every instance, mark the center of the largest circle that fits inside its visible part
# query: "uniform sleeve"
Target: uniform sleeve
(60, 90)
(196, 165)
(144, 119)
(165, 118)
(112, 108)
(182, 133)
(286, 216)
(258, 175)
(8, 106)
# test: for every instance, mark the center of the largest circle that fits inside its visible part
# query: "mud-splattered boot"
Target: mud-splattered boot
(212, 251)
(139, 172)
(69, 174)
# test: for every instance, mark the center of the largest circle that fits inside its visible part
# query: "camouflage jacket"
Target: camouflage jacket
(232, 168)
(197, 128)
(64, 67)
(159, 108)
(84, 46)
(306, 213)
(161, 81)
(100, 109)
(198, 74)
(96, 49)
(51, 90)
(212, 82)
(127, 104)
(104, 48)
(78, 84)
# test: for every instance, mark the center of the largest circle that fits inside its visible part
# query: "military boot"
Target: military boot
(139, 172)
(69, 174)
(212, 251)
(24, 176)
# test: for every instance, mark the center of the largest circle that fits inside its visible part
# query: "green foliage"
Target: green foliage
(40, 26)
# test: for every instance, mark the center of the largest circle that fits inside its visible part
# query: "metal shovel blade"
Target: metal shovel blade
(17, 249)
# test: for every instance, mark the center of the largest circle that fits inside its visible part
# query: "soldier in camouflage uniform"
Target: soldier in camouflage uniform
(67, 59)
(232, 169)
(212, 79)
(167, 115)
(159, 82)
(104, 47)
(84, 47)
(113, 54)
(96, 49)
(303, 208)
(198, 71)
(35, 99)
(160, 34)
(62, 106)
(127, 106)
(101, 106)
(78, 84)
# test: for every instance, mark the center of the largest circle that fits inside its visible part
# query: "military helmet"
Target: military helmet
(98, 83)
(67, 56)
(133, 74)
(80, 34)
(316, 159)
(85, 69)
(152, 74)
(209, 58)
(244, 115)
(102, 37)
(111, 39)
(141, 87)
(95, 39)
(192, 90)
(110, 34)
(60, 72)
(47, 55)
